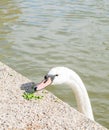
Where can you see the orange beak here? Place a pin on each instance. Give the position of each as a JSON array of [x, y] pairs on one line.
[[43, 84]]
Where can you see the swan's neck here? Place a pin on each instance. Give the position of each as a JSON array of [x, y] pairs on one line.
[[82, 97]]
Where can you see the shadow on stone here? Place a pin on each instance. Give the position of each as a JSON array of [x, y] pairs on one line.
[[28, 87]]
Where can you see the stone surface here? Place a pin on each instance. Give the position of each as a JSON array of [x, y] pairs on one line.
[[48, 113]]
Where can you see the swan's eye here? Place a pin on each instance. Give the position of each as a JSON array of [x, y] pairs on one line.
[[56, 75]]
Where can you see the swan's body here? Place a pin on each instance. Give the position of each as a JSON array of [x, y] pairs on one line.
[[63, 75]]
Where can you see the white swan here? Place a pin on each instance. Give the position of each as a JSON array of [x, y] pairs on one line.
[[63, 75]]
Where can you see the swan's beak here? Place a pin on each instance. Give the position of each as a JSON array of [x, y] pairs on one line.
[[43, 84]]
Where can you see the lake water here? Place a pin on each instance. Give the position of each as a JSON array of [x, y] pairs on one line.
[[38, 35]]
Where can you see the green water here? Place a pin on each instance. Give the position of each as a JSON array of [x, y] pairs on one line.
[[38, 35]]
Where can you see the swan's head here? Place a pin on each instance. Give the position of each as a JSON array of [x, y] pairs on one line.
[[57, 75]]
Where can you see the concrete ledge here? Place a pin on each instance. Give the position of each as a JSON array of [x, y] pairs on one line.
[[48, 113]]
